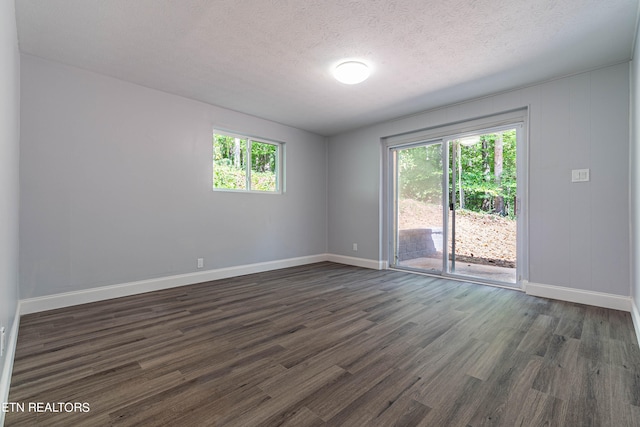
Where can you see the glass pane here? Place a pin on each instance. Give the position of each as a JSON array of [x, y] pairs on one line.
[[419, 207], [483, 225], [229, 162], [264, 161]]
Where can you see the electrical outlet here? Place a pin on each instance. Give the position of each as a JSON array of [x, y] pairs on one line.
[[355, 247], [200, 262], [3, 341]]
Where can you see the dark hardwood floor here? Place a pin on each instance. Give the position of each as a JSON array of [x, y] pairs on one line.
[[329, 344]]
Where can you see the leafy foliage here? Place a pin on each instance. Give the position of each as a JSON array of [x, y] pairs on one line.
[[230, 161], [420, 174]]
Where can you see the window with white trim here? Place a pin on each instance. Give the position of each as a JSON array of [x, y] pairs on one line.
[[243, 163]]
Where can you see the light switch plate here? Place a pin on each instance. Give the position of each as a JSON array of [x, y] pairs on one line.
[[580, 175]]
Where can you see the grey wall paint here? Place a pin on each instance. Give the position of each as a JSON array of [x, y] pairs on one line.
[[9, 160], [116, 186], [579, 233], [113, 188], [634, 178]]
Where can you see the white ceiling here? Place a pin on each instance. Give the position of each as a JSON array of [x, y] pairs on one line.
[[272, 58]]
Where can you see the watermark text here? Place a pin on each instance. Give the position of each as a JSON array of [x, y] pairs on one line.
[[42, 407]]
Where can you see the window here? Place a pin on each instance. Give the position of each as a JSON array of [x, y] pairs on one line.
[[243, 163]]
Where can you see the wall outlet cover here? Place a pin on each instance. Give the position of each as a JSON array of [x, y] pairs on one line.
[[580, 175]]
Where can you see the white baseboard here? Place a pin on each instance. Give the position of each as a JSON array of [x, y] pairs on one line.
[[7, 368], [67, 299], [598, 299], [358, 262], [51, 302], [635, 316]]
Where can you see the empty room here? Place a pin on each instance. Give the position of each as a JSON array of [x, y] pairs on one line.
[[308, 213]]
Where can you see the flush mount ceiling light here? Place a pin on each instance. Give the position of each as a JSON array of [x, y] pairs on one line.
[[351, 72]]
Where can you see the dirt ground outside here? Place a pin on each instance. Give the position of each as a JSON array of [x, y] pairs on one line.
[[480, 238]]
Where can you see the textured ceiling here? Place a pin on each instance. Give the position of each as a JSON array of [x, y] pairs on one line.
[[272, 58]]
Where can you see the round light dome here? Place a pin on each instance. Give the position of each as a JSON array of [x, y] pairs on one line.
[[351, 72]]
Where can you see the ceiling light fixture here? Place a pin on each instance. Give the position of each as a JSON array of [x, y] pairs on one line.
[[351, 72]]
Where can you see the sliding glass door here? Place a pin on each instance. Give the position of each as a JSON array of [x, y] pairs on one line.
[[456, 205], [482, 238], [419, 221]]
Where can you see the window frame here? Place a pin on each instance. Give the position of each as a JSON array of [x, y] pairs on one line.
[[250, 139]]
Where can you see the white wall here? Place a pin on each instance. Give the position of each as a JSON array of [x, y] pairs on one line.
[[9, 159], [116, 186], [579, 233], [635, 183]]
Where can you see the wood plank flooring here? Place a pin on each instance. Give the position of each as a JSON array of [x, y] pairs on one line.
[[329, 344]]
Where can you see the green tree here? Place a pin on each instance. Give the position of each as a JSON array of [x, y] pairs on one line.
[[485, 173], [230, 163], [489, 173]]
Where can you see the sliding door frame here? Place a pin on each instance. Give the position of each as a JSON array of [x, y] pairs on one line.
[[518, 119], [447, 140], [394, 228]]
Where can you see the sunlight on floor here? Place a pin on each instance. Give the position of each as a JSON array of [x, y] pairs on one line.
[[487, 272]]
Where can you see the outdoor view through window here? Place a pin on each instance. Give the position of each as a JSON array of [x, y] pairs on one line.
[[242, 163], [465, 225]]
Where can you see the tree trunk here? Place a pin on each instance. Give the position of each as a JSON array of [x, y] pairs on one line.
[[236, 153], [486, 170], [459, 155], [498, 202]]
